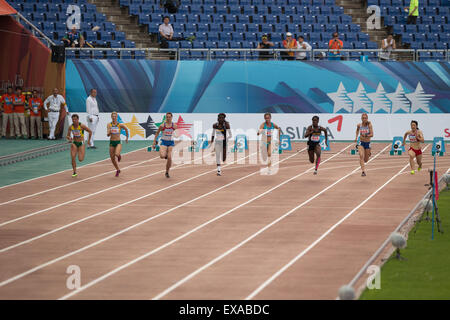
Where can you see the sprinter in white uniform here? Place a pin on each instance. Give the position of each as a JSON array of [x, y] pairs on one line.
[[221, 133]]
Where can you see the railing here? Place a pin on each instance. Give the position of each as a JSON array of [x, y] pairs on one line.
[[258, 54], [34, 30]]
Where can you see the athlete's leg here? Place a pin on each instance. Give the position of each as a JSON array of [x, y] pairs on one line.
[[81, 152], [318, 152], [412, 155], [367, 155], [73, 154], [311, 155], [169, 159], [269, 153], [163, 152], [419, 161], [112, 155], [361, 158], [118, 150]]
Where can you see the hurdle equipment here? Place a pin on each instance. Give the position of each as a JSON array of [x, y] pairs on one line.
[[34, 153], [355, 150], [323, 146], [158, 142], [156, 148], [397, 146], [240, 143], [438, 146], [200, 143]]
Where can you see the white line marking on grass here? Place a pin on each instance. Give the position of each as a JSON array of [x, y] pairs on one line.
[[119, 232], [204, 267], [51, 174], [192, 230], [311, 246]]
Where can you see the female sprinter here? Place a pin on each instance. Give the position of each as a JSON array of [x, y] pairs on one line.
[[77, 130], [165, 152], [365, 130], [221, 133], [115, 146], [267, 127], [313, 133], [415, 138]]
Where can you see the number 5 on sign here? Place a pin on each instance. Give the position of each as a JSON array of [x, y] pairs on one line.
[[285, 142]]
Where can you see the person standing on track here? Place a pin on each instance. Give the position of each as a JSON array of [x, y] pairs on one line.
[[92, 115], [168, 129], [415, 150], [267, 128], [221, 133], [313, 133], [35, 116], [365, 130], [115, 146], [6, 103], [53, 104], [77, 130], [19, 114]]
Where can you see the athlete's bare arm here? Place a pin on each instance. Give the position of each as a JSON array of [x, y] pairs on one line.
[[357, 131], [370, 135], [124, 127]]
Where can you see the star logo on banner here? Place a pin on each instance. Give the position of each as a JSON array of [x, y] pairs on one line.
[[149, 127], [183, 127], [158, 124], [135, 128]]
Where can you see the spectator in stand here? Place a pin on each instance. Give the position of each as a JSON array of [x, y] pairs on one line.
[[170, 5], [413, 12], [387, 45], [53, 104], [73, 38], [334, 45], [166, 33], [19, 114], [8, 112], [302, 44], [289, 43], [36, 106], [265, 44]]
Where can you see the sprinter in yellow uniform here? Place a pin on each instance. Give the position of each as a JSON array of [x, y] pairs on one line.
[[115, 146], [75, 134]]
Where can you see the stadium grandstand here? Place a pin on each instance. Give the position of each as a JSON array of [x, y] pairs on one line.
[[232, 29]]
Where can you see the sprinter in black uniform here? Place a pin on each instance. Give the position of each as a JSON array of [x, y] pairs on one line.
[[221, 133], [313, 133]]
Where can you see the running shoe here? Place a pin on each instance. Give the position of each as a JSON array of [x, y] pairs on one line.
[[315, 172], [119, 157], [420, 168], [74, 174], [413, 172], [117, 173], [219, 172], [363, 174], [167, 175]]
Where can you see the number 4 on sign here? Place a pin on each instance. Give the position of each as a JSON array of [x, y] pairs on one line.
[[323, 146]]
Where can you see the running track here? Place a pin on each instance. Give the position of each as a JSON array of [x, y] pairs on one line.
[[240, 236]]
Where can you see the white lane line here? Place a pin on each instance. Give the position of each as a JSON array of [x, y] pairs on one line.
[[96, 214], [95, 281], [84, 197], [74, 182], [204, 267], [117, 233], [51, 174], [311, 246]]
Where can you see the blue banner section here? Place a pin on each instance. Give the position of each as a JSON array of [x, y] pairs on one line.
[[254, 86]]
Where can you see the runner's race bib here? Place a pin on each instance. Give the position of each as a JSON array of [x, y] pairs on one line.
[[315, 138]]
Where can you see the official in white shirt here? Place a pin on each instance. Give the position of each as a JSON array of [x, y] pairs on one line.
[[92, 115], [302, 44], [53, 105]]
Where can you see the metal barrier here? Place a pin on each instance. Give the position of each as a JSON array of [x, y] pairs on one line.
[[33, 153], [34, 30], [258, 54]]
